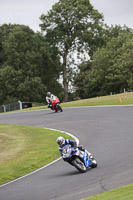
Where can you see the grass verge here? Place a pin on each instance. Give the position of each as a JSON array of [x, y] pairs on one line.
[[126, 99], [118, 99], [24, 149], [121, 193]]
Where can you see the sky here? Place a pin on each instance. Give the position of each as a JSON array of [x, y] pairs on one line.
[[27, 12]]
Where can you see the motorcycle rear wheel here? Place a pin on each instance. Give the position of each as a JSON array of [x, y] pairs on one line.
[[58, 107], [79, 165]]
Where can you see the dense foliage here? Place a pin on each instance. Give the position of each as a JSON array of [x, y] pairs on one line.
[[72, 26], [32, 63], [28, 65], [111, 69]]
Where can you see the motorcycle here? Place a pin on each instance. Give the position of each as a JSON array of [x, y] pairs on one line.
[[78, 158], [55, 105]]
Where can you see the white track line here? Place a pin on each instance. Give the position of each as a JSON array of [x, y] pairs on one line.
[[75, 138]]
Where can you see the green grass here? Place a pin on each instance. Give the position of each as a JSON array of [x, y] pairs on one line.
[[126, 99], [122, 193], [24, 149]]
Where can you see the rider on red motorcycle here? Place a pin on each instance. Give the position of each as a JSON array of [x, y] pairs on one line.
[[53, 102], [49, 99]]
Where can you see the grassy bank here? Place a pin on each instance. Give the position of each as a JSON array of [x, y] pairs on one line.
[[118, 99], [122, 193], [24, 149]]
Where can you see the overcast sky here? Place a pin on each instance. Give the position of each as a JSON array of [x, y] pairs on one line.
[[27, 12]]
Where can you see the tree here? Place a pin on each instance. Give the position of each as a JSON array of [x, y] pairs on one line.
[[27, 61], [49, 66], [114, 64], [112, 67], [81, 79], [70, 26]]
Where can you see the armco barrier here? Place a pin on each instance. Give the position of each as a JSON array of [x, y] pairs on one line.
[[15, 106]]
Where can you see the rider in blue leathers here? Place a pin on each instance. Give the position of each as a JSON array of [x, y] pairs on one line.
[[62, 142]]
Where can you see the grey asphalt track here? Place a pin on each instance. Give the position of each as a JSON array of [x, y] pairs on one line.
[[107, 132]]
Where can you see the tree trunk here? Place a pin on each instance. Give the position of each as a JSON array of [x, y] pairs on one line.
[[65, 80]]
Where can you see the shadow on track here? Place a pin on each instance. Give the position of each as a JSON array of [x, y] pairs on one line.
[[73, 173], [52, 112]]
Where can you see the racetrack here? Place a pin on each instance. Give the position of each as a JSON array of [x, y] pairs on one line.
[[107, 132]]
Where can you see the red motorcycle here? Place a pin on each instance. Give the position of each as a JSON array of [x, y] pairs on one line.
[[56, 105]]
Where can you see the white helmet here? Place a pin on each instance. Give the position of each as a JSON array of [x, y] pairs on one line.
[[60, 140], [49, 94]]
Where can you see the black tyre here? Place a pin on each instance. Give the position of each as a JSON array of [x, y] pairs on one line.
[[59, 107], [79, 165], [94, 163]]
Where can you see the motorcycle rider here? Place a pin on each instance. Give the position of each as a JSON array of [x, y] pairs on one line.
[[49, 99], [62, 142]]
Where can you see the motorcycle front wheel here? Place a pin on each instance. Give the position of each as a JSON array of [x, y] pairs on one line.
[[94, 163], [79, 165]]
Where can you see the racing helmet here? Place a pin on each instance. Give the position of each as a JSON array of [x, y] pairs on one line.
[[49, 94], [60, 140]]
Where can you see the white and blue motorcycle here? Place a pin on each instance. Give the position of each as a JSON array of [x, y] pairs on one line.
[[78, 158]]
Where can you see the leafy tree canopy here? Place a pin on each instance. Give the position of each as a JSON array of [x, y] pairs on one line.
[[72, 25], [111, 68], [27, 65]]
